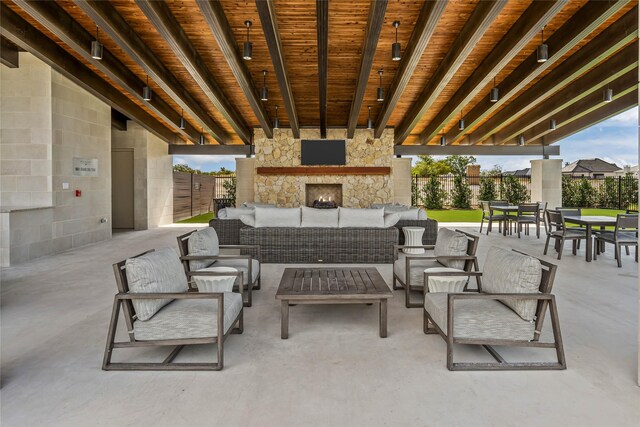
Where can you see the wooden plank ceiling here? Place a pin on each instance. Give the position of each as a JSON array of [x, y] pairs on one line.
[[445, 81]]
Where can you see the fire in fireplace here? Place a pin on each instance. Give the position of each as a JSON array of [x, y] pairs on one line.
[[323, 196]]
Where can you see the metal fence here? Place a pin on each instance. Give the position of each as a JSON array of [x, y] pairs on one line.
[[194, 194]]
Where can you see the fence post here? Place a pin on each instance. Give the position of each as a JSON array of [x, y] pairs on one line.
[[619, 192]]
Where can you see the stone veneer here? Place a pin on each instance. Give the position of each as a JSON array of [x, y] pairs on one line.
[[357, 190]]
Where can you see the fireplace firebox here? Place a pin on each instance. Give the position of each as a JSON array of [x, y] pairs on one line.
[[323, 196]]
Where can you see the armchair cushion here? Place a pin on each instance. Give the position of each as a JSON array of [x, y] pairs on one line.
[[203, 242], [510, 272], [478, 319], [189, 318], [158, 271], [417, 268], [451, 243], [445, 283], [242, 265]]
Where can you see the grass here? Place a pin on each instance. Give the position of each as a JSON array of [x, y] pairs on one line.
[[202, 219]]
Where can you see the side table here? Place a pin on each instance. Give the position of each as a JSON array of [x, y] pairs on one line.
[[413, 237], [216, 283]]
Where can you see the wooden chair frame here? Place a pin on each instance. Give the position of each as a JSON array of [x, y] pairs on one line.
[[528, 214], [183, 245], [545, 299], [471, 262], [560, 239], [123, 301], [489, 216]]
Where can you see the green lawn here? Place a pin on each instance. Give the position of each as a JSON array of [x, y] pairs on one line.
[[475, 215], [203, 219]]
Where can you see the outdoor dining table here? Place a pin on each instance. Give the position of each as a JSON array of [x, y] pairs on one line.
[[589, 222], [507, 210]]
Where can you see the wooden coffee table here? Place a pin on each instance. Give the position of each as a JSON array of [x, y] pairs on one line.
[[332, 286]]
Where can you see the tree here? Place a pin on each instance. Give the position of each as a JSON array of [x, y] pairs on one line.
[[608, 194], [495, 170], [427, 166], [584, 194], [230, 186], [458, 164], [629, 191], [433, 194], [513, 191], [184, 168], [487, 188], [461, 194]]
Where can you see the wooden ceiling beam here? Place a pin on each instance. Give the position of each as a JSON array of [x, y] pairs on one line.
[[211, 150], [591, 16], [595, 52], [606, 111], [221, 30], [377, 9], [26, 37], [168, 27], [9, 54], [617, 71], [424, 28], [104, 14], [537, 15], [473, 30], [476, 150], [322, 19], [581, 108], [269, 22]]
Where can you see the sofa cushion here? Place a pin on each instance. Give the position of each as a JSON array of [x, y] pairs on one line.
[[322, 218], [258, 205], [360, 218], [158, 271], [277, 217], [243, 266], [235, 213], [417, 266], [510, 272], [410, 213], [203, 242], [189, 318], [451, 243], [390, 208], [391, 219], [249, 220], [478, 319]]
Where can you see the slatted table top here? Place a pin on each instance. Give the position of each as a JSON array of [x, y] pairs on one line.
[[332, 283]]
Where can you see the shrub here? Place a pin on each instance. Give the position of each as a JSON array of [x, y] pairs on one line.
[[513, 191], [628, 191], [608, 194], [230, 186], [568, 191], [461, 194], [487, 189], [584, 194], [415, 193], [433, 194]]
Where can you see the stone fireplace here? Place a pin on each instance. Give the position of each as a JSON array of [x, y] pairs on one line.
[[326, 194]]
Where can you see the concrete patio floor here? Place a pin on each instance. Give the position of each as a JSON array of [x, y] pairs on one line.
[[333, 369]]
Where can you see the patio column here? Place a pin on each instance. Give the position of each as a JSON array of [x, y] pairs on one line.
[[245, 169], [401, 179], [546, 181]]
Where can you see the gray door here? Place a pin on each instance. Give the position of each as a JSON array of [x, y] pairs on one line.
[[122, 188]]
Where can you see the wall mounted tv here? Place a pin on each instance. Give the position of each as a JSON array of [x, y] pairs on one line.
[[323, 152]]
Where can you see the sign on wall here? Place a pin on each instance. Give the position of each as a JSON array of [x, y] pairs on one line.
[[85, 167]]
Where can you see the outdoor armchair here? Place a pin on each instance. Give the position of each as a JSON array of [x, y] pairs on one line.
[[199, 250], [160, 310], [489, 216], [625, 234], [528, 214], [560, 233], [453, 249], [508, 310]]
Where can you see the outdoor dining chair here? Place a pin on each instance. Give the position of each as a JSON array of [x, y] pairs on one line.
[[489, 216], [560, 233], [625, 234], [528, 214]]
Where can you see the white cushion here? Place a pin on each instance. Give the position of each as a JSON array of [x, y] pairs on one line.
[[422, 214], [222, 214], [277, 217], [236, 213], [255, 205], [452, 284], [411, 213], [417, 266], [242, 265], [215, 283], [158, 271], [451, 243], [391, 219], [510, 272], [395, 208], [319, 217], [249, 220], [203, 242], [360, 218]]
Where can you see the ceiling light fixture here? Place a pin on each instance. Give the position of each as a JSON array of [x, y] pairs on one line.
[[96, 47], [395, 47], [521, 140], [461, 122], [543, 49], [443, 139], [369, 121], [264, 92], [202, 140], [380, 97], [495, 93], [608, 94], [552, 124], [183, 125], [276, 122], [147, 93], [248, 46]]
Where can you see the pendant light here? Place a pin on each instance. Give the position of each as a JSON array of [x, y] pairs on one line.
[[552, 124], [443, 139], [183, 125], [521, 140], [369, 121], [395, 47], [495, 94], [608, 94], [147, 93], [248, 46], [264, 92], [202, 140], [96, 47], [461, 122], [380, 97], [543, 49], [276, 122]]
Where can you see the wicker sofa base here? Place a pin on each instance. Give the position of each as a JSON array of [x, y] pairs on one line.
[[322, 245]]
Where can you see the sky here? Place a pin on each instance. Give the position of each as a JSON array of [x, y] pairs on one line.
[[614, 140]]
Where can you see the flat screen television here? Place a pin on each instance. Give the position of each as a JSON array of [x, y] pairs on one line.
[[323, 152]]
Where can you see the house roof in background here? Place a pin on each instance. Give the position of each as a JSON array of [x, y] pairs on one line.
[[590, 165]]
